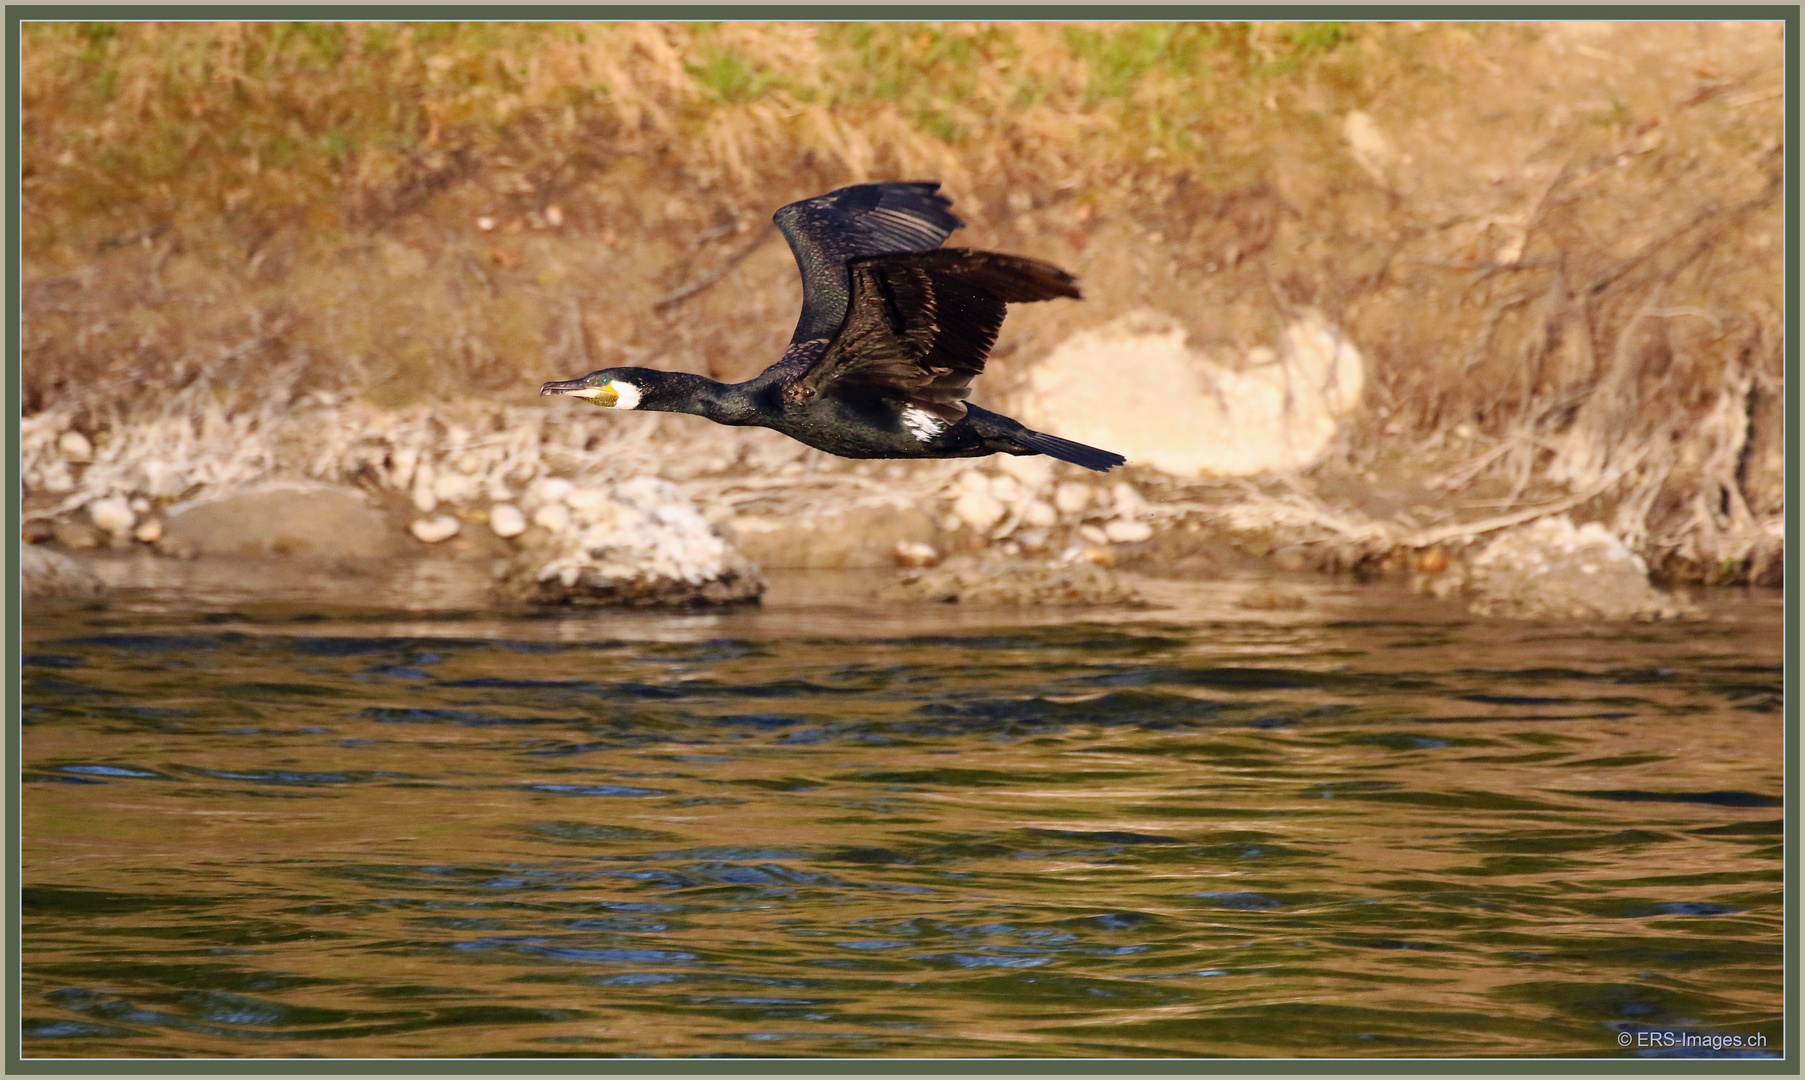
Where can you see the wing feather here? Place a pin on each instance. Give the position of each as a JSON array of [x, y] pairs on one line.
[[920, 325], [829, 231]]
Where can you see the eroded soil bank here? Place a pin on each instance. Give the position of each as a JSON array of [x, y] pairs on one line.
[[1358, 297]]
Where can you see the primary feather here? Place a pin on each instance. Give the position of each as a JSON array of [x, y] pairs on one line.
[[828, 232]]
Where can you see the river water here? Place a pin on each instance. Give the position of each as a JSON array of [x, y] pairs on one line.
[[317, 813]]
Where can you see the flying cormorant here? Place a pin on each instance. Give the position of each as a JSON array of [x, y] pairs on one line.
[[893, 328]]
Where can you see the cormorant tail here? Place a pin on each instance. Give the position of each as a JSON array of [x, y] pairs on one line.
[[1066, 450]]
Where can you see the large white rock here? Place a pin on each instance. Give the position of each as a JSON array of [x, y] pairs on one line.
[[1136, 387], [643, 543]]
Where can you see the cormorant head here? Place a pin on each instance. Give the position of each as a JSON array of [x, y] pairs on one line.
[[613, 388]]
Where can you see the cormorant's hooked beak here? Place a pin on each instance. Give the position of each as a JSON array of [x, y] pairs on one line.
[[605, 395]]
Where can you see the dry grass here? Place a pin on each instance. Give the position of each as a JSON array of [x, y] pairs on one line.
[[1561, 246]]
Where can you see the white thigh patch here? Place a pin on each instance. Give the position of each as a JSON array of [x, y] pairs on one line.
[[921, 423]]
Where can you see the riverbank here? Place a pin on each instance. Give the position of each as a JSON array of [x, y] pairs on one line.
[[1386, 293]]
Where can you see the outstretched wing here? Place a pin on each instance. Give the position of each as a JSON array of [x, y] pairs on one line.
[[921, 325], [829, 231]]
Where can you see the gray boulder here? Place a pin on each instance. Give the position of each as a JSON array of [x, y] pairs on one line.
[[1552, 569], [862, 538], [48, 575], [298, 518], [992, 578]]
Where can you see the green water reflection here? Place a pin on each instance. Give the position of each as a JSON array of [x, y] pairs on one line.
[[302, 826]]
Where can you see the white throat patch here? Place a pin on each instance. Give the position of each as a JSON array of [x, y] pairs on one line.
[[629, 394], [921, 423]]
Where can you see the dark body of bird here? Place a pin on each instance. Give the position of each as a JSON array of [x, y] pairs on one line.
[[892, 330]]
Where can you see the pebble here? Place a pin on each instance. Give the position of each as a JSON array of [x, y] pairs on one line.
[[915, 553], [140, 505], [1128, 501], [56, 478], [1039, 515], [551, 489], [1072, 497], [978, 509], [973, 480], [1031, 471], [113, 515], [553, 517], [160, 479], [432, 530], [588, 504], [1127, 532], [149, 532], [1093, 534], [1102, 556], [74, 446], [426, 500], [401, 466], [506, 520], [455, 487], [1005, 489]]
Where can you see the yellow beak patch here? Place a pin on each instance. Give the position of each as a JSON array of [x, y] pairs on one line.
[[604, 396]]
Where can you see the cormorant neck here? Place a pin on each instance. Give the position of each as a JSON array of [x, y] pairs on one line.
[[683, 392]]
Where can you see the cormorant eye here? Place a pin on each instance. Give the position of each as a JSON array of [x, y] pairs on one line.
[[606, 380]]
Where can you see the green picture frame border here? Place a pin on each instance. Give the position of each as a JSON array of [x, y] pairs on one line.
[[757, 11]]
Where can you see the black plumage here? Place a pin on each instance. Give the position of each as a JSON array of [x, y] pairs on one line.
[[892, 331], [826, 233]]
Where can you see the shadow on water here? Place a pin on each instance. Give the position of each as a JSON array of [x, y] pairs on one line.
[[366, 816]]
